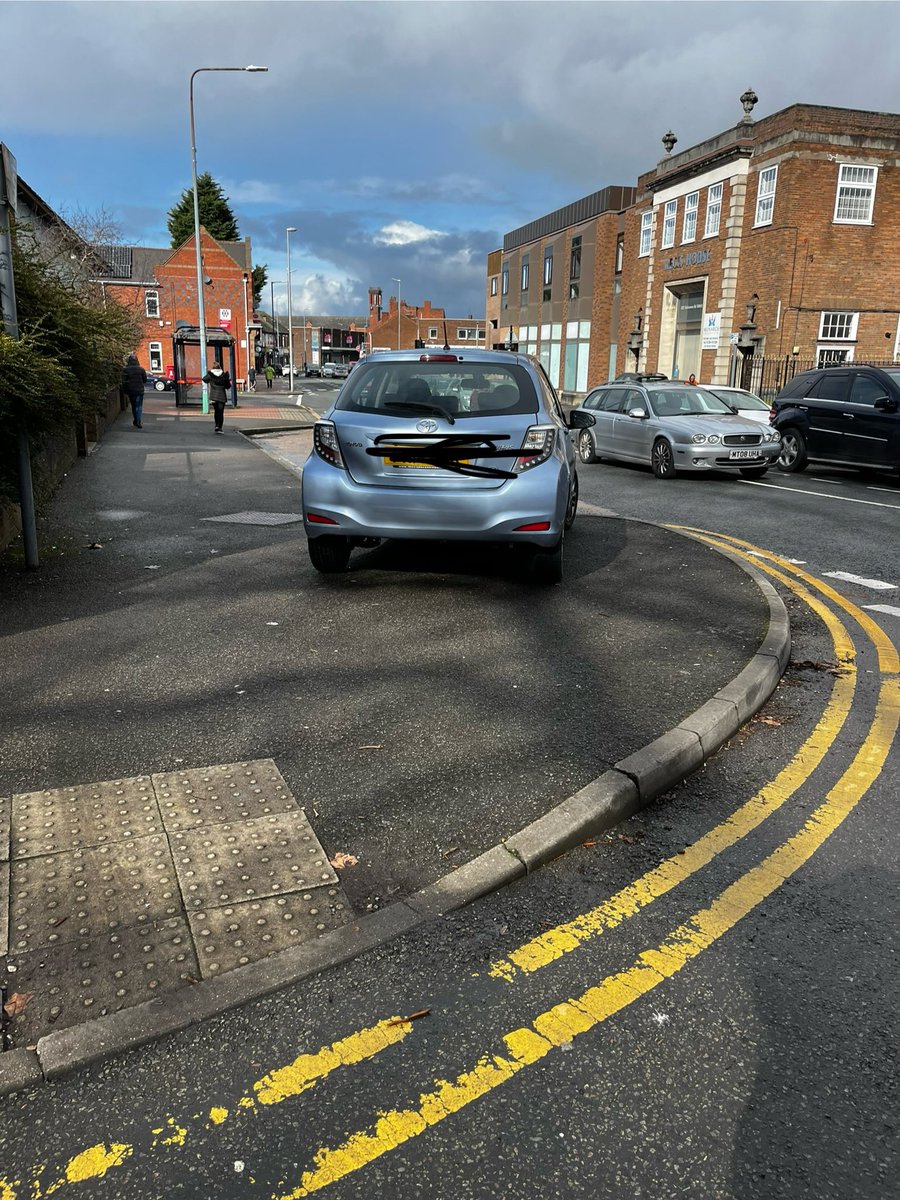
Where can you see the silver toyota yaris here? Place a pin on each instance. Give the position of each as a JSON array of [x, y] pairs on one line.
[[451, 444]]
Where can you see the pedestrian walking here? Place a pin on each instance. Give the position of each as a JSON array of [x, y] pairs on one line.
[[219, 386], [251, 374], [269, 373], [134, 379]]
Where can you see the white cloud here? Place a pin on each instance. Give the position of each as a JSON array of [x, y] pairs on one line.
[[405, 233], [253, 191]]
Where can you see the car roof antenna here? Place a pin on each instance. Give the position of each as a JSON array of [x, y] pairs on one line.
[[446, 339]]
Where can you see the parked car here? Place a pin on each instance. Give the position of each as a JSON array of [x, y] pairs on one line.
[[848, 415], [673, 427], [638, 376], [744, 403], [160, 383], [312, 369], [340, 371], [286, 370], [397, 456], [328, 371]]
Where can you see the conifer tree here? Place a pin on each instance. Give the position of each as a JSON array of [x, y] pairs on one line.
[[216, 216]]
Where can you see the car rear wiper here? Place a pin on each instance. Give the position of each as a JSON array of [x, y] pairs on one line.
[[448, 452], [420, 406]]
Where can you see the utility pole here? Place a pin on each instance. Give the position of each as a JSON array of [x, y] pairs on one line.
[[8, 191]]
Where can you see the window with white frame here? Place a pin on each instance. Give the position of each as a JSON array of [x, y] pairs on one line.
[[481, 335], [668, 229], [466, 335], [689, 224], [646, 233], [151, 303], [432, 332], [765, 196], [838, 327], [155, 353], [855, 194], [713, 210], [493, 285]]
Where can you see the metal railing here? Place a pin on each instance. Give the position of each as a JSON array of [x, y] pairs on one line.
[[765, 377]]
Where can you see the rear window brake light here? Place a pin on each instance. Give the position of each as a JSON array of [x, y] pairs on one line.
[[438, 358]]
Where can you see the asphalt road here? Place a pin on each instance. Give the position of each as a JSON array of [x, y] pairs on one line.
[[756, 1059]]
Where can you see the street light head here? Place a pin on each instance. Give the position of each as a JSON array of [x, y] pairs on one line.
[[252, 68], [292, 229]]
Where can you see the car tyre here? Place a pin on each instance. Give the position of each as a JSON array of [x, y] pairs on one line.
[[793, 455], [572, 507], [545, 566], [586, 451], [329, 554], [160, 385], [753, 472], [662, 459]]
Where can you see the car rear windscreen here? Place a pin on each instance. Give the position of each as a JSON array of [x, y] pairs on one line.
[[458, 389]]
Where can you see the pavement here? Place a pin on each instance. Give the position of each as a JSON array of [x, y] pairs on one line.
[[221, 774]]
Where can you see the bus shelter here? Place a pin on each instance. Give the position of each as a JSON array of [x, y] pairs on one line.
[[186, 355]]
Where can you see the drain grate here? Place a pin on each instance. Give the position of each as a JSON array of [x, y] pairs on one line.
[[257, 518]]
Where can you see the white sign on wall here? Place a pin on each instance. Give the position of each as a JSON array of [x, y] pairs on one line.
[[712, 326]]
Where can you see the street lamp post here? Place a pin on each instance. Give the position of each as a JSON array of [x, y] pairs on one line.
[[397, 281], [290, 229], [201, 307]]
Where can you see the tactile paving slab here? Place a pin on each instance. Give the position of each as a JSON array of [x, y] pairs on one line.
[[89, 814], [5, 813], [60, 897], [237, 934], [246, 860], [212, 795], [77, 981]]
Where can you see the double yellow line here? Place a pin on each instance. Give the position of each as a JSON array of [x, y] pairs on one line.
[[522, 1047]]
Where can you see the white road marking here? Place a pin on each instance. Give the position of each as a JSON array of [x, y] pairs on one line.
[[885, 608], [873, 487], [805, 492], [877, 585]]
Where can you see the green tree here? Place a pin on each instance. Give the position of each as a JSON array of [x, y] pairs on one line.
[[216, 216], [260, 279], [69, 353]]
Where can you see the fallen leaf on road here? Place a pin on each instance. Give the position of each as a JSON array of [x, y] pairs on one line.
[[451, 850], [423, 1012], [17, 1003], [590, 843], [342, 859], [768, 721]]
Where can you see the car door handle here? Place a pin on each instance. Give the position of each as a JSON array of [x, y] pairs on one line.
[[849, 416]]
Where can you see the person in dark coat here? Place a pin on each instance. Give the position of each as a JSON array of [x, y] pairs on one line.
[[219, 388], [134, 379]]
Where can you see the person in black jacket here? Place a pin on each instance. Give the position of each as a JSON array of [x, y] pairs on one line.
[[134, 378], [219, 386]]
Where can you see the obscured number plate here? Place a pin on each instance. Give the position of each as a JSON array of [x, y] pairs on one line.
[[397, 462], [744, 454]]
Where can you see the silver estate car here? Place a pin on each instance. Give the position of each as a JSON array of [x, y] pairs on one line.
[[443, 445], [673, 427]]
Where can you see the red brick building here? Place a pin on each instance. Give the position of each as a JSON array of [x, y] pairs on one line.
[[161, 287], [402, 325], [774, 239]]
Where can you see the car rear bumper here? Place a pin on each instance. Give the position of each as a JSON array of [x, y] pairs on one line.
[[439, 514]]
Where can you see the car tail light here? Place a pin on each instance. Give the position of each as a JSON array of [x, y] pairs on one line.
[[438, 358], [326, 444], [536, 448]]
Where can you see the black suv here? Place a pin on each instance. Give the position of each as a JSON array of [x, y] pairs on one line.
[[849, 415]]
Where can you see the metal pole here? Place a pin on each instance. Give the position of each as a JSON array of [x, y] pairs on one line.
[[247, 329], [290, 229], [8, 187], [274, 326]]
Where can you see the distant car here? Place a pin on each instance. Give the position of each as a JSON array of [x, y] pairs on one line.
[[286, 370], [341, 371], [312, 369], [328, 371], [744, 403], [397, 456], [159, 383], [673, 427]]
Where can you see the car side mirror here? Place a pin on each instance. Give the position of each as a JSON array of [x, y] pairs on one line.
[[579, 419], [640, 414], [885, 404]]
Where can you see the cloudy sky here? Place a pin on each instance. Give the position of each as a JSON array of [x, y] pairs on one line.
[[402, 139]]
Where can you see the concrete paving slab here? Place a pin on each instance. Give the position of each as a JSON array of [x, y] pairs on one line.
[[237, 934], [78, 981], [89, 814], [57, 898], [246, 860], [5, 823], [4, 907], [202, 796]]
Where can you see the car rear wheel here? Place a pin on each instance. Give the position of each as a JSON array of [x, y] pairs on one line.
[[573, 505], [329, 554], [793, 450], [586, 451], [544, 566], [662, 459], [160, 385], [753, 472]]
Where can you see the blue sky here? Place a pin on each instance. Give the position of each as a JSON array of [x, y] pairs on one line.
[[402, 139]]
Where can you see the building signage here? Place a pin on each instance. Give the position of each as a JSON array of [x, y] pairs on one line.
[[225, 318], [696, 258], [712, 326]]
